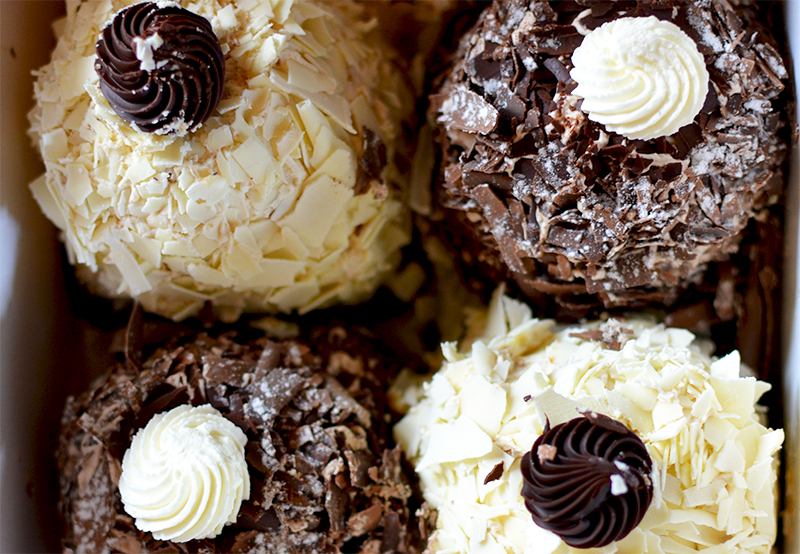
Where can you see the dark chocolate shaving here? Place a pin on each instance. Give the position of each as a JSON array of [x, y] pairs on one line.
[[183, 84], [567, 480], [372, 162], [494, 474], [134, 337], [610, 336], [324, 476]]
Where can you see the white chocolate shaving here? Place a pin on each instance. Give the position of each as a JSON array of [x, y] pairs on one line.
[[144, 51]]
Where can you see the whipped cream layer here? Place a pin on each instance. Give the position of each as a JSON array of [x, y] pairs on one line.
[[640, 77], [184, 476], [286, 198], [714, 470]]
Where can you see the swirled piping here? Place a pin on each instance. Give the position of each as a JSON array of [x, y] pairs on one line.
[[587, 480], [185, 476], [640, 77], [160, 67]]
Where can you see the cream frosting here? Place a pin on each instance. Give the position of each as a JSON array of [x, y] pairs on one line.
[[265, 207], [714, 468], [640, 77], [184, 476]]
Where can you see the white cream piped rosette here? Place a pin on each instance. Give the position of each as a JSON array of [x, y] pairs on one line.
[[640, 77], [185, 476]]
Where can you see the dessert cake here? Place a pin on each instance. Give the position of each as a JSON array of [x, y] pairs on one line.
[[607, 154], [615, 436], [217, 443], [240, 154]]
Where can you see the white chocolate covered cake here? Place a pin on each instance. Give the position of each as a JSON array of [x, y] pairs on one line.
[[238, 153], [711, 474]]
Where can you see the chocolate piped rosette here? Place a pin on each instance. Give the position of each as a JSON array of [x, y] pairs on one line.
[[241, 154], [220, 443], [612, 436], [587, 480], [606, 154], [160, 67]]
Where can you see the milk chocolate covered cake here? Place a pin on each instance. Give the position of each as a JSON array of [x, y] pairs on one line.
[[606, 154], [220, 444], [240, 154], [614, 436]]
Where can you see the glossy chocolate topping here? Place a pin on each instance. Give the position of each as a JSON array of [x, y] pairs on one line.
[[160, 67], [587, 480]]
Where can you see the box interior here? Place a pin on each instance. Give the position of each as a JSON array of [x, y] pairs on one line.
[[791, 317], [43, 355]]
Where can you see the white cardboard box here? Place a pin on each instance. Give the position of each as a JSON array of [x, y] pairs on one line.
[[40, 352], [34, 327], [791, 317]]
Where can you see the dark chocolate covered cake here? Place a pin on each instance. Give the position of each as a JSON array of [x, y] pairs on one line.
[[583, 215], [311, 419]]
